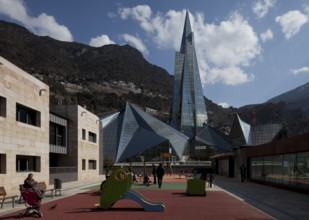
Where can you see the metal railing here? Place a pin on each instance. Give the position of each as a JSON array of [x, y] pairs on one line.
[[173, 163], [55, 170]]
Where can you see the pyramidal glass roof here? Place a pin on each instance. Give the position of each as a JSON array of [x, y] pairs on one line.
[[262, 134], [244, 134], [212, 137], [245, 128], [132, 131]]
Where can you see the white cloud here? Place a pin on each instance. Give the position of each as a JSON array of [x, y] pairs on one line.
[[304, 69], [168, 29], [141, 13], [232, 43], [224, 49], [100, 41], [306, 8], [230, 75], [43, 25], [228, 46], [135, 42], [163, 29], [291, 22], [261, 7], [46, 25], [224, 105], [14, 9], [111, 15], [267, 35]]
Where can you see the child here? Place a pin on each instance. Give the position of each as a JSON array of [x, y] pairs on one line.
[[146, 180]]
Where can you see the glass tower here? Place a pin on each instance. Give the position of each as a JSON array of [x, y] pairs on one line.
[[188, 113]]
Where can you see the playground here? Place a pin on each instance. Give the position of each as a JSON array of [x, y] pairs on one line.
[[172, 203]]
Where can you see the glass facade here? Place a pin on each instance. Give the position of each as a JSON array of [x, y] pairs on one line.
[[188, 113], [57, 134], [132, 134], [285, 169]]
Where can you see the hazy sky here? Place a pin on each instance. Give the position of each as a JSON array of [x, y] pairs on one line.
[[248, 51]]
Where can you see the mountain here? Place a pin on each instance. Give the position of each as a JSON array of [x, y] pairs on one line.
[[296, 98], [104, 79]]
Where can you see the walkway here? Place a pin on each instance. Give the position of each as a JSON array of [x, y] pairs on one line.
[[229, 199], [279, 203]]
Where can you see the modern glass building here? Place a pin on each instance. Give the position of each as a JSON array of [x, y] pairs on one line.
[[188, 113], [244, 134], [133, 135]]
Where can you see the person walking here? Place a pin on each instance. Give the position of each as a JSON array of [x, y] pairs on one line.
[[134, 180], [243, 170], [154, 173], [160, 174]]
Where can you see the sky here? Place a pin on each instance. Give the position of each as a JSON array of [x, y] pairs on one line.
[[248, 51]]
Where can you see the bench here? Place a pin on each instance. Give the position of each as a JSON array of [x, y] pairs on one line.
[[4, 197], [43, 186]]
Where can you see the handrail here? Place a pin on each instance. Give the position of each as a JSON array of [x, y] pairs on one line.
[[53, 170]]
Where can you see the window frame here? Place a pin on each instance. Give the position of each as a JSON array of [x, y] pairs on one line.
[[28, 115], [92, 137], [92, 164], [25, 163]]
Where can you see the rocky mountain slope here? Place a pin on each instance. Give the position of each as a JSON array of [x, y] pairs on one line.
[[296, 98], [104, 79]]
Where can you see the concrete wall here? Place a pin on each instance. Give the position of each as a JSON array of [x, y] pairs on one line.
[[17, 138], [80, 149], [240, 158], [223, 167], [88, 150]]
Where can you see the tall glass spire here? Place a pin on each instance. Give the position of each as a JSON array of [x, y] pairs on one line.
[[188, 112]]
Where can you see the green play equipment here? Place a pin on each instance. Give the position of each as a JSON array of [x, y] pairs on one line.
[[196, 187], [118, 186]]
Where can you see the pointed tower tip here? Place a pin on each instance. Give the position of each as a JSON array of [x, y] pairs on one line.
[[187, 13], [186, 31], [187, 19]]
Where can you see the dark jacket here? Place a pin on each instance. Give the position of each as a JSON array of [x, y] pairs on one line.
[[160, 171], [29, 183]]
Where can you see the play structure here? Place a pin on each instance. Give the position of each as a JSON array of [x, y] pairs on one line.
[[196, 187], [118, 186]]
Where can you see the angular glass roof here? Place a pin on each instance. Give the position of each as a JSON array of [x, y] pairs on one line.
[[132, 131], [212, 137], [244, 134]]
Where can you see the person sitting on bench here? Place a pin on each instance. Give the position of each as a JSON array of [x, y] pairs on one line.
[[31, 183]]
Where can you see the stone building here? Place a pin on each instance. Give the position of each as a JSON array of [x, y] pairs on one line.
[[83, 158], [24, 126], [61, 142]]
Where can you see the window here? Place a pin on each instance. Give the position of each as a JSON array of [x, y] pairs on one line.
[[83, 164], [57, 134], [2, 107], [200, 147], [27, 115], [27, 163], [92, 164], [92, 137], [3, 163], [288, 169], [84, 134]]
